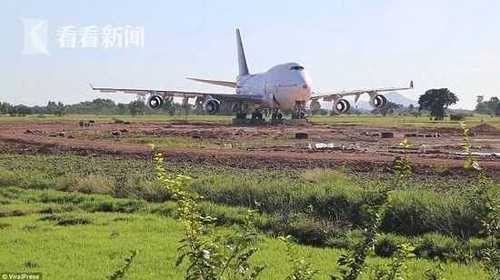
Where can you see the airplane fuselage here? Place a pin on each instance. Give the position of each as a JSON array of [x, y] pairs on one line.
[[281, 87]]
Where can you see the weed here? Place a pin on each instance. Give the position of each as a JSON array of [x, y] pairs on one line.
[[402, 167], [31, 264], [435, 273], [396, 269], [120, 272], [209, 256], [67, 219], [302, 268], [470, 161], [93, 184], [12, 213], [30, 227], [4, 225], [352, 263]]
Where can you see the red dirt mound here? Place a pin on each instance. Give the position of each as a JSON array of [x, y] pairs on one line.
[[484, 128]]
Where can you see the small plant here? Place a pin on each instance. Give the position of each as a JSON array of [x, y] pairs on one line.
[[210, 256], [120, 273], [490, 226], [395, 270], [353, 262], [470, 161], [402, 166], [435, 273], [488, 208], [302, 269]]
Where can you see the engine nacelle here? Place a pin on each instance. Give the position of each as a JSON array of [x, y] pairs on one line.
[[155, 102], [212, 106], [378, 101], [341, 106]]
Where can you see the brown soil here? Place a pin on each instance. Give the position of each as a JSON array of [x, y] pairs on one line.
[[485, 128], [360, 148]]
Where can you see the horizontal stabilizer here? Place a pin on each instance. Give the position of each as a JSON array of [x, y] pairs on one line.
[[215, 82]]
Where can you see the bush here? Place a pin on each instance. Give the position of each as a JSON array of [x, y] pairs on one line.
[[437, 246], [388, 244], [418, 212], [458, 117], [67, 219], [346, 239], [93, 184], [7, 177], [93, 203]]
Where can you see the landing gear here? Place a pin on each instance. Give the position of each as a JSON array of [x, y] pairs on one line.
[[257, 115], [300, 110], [276, 115]]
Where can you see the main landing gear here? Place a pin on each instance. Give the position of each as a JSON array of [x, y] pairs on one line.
[[257, 115], [276, 115]]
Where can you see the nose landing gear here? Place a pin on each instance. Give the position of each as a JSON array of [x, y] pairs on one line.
[[300, 110]]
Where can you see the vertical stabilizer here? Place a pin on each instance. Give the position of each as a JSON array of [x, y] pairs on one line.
[[242, 61]]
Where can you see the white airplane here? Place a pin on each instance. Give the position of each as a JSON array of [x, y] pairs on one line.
[[283, 88]]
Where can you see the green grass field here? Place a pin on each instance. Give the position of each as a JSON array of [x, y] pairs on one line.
[[63, 241]]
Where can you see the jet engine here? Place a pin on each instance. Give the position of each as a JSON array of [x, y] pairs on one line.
[[341, 106], [155, 102], [212, 106], [378, 101]]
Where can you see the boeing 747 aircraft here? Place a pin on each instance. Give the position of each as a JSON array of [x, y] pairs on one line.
[[285, 88]]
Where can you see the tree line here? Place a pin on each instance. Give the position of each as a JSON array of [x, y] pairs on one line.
[[435, 102], [96, 106], [488, 107]]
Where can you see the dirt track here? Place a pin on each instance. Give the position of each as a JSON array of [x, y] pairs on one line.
[[361, 148]]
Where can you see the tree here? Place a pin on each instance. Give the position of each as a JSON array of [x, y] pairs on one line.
[[480, 98], [5, 107], [436, 101], [137, 107], [488, 107], [54, 108], [122, 109], [389, 108], [20, 110]]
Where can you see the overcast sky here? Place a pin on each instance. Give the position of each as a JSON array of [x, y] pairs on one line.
[[343, 44]]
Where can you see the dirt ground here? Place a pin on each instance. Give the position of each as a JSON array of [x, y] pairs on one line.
[[362, 148]]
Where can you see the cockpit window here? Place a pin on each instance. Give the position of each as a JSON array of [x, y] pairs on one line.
[[298, 68]]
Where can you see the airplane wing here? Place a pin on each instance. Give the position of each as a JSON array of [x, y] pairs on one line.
[[215, 82], [188, 94], [328, 96]]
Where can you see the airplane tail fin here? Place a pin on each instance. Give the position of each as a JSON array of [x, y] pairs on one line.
[[242, 61]]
